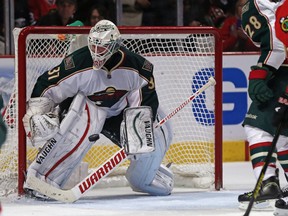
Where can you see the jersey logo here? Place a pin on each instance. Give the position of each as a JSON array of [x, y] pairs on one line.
[[284, 24], [281, 26], [108, 97], [147, 66], [69, 63]]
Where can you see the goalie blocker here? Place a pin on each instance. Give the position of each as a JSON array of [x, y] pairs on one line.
[[137, 130], [56, 160]]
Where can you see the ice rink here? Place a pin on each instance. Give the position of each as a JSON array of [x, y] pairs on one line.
[[238, 178]]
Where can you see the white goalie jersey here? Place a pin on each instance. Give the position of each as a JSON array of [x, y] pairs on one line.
[[126, 81]]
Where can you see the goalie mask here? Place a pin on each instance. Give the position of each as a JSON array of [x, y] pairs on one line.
[[103, 41]]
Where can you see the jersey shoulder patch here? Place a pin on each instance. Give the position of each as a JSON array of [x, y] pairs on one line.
[[69, 63], [78, 60], [148, 66]]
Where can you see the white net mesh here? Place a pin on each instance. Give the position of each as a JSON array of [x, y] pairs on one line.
[[182, 64]]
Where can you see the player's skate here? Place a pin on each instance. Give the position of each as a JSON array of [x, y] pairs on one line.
[[281, 205], [269, 192]]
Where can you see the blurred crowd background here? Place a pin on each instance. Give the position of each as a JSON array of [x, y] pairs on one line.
[[222, 14]]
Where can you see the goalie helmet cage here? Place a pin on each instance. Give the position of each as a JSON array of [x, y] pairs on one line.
[[183, 57]]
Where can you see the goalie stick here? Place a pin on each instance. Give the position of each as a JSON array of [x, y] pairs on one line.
[[75, 193]]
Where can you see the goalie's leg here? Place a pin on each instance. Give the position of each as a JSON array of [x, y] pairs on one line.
[[60, 155], [145, 173]]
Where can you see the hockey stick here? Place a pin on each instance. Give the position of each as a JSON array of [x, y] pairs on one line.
[[75, 193], [263, 171], [211, 82]]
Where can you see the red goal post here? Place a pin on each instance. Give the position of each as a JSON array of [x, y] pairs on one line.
[[197, 53]]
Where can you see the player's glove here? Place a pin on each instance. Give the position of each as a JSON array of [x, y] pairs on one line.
[[258, 89], [281, 108]]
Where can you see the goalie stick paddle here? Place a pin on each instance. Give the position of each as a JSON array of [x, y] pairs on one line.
[[263, 171], [75, 193]]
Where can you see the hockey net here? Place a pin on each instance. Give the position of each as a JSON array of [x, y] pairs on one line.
[[183, 57]]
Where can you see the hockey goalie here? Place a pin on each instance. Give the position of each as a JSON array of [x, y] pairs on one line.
[[102, 88]]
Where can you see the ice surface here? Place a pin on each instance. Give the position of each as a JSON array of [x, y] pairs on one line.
[[238, 178]]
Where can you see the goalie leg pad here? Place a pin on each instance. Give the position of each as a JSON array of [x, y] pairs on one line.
[[60, 155], [163, 182], [145, 173]]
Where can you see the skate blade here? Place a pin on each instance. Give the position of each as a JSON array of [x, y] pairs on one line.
[[265, 205]]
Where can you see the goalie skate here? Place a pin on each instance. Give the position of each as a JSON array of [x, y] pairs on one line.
[[269, 192], [32, 194]]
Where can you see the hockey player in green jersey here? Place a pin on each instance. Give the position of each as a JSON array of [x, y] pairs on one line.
[[102, 80], [268, 81]]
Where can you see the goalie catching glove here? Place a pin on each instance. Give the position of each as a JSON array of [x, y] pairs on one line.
[[41, 121]]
